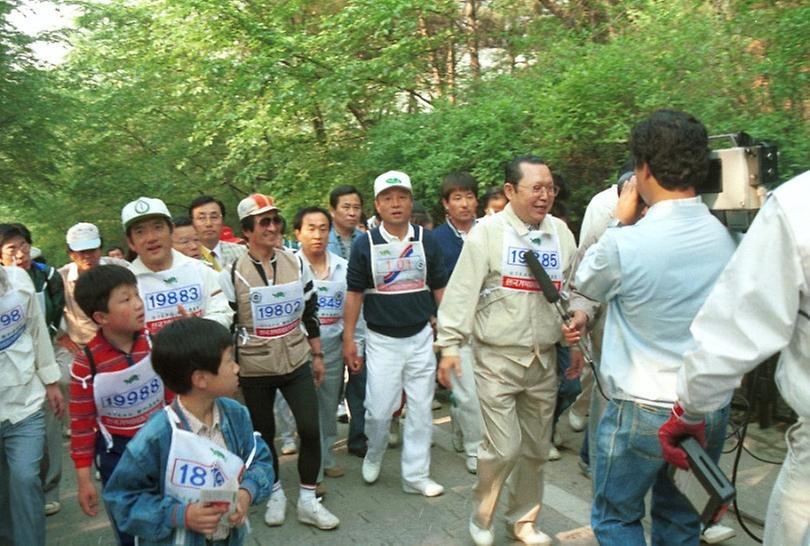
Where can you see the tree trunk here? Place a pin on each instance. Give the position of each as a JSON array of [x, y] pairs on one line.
[[450, 72], [434, 63], [471, 20]]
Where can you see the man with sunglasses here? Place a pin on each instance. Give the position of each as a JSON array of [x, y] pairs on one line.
[[493, 299], [273, 295]]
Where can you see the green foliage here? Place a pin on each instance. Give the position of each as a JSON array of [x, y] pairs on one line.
[[173, 98]]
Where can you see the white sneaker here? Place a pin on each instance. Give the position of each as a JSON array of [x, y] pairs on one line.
[[717, 533], [577, 422], [426, 487], [52, 507], [313, 513], [472, 465], [289, 448], [554, 454], [481, 537], [276, 509], [527, 534], [371, 471], [395, 435]]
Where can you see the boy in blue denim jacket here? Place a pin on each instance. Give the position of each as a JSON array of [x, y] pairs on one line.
[[201, 447]]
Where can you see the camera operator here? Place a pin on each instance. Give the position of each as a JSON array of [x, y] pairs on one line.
[[760, 305], [654, 272]]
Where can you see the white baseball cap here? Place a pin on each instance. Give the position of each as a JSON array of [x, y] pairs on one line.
[[143, 208], [392, 179], [83, 236], [255, 204]]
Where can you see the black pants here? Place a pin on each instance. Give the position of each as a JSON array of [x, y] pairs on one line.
[[298, 389]]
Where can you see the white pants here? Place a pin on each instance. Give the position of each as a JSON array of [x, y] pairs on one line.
[[467, 410], [397, 364], [788, 519]]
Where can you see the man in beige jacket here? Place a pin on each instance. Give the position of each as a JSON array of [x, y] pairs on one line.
[[515, 330]]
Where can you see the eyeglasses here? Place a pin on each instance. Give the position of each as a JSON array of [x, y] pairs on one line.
[[13, 250], [267, 220], [548, 189], [213, 217]]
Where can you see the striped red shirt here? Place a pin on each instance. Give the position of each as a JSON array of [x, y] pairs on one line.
[[106, 358]]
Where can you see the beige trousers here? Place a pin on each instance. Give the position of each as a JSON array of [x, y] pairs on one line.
[[517, 406]]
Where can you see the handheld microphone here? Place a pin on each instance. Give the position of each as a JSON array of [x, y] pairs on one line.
[[553, 297]]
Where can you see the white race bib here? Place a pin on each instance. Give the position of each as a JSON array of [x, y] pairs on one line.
[[515, 274], [196, 464], [127, 398], [331, 297], [162, 292], [12, 318], [277, 309], [398, 267]]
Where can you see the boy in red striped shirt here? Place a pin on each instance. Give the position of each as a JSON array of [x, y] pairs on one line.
[[113, 388]]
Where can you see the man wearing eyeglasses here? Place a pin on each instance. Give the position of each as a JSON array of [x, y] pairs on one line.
[[493, 299], [208, 215], [15, 242], [274, 295]]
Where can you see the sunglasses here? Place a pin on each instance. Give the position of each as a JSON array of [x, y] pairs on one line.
[[267, 220]]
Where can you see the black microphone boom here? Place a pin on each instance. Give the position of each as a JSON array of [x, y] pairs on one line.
[[553, 296], [542, 278]]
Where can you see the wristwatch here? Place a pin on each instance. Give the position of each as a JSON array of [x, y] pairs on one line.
[[317, 355]]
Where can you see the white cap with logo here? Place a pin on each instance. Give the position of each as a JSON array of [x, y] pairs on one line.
[[143, 208], [392, 179], [83, 236]]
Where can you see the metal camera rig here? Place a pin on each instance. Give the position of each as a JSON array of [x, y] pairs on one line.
[[739, 178]]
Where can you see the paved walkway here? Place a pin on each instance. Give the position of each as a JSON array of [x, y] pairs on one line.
[[383, 515]]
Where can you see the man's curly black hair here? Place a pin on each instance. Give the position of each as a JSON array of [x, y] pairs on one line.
[[675, 146]]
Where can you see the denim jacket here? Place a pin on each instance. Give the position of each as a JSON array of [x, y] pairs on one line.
[[134, 494]]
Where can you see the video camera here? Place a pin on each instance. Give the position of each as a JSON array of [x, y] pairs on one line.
[[739, 178]]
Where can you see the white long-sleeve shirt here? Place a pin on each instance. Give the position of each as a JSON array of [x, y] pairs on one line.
[[27, 363], [759, 306]]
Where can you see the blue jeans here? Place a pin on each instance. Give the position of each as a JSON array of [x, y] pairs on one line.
[[22, 503], [629, 463]]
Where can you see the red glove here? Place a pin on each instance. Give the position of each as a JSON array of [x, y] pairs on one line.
[[676, 429]]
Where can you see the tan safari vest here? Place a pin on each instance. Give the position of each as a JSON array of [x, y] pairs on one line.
[[261, 356]]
